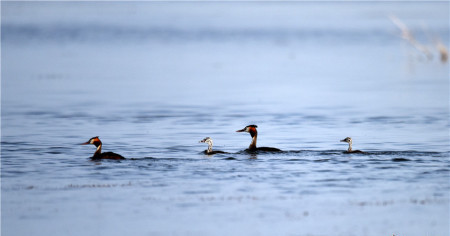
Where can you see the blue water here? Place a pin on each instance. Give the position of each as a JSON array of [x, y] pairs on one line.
[[154, 78]]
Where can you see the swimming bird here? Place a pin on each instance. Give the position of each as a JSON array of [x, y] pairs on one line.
[[209, 151], [254, 133], [350, 150], [98, 153]]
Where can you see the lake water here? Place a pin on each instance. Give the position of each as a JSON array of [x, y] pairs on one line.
[[153, 78]]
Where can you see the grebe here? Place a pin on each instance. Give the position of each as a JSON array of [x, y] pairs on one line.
[[349, 141], [209, 151], [254, 133], [98, 154]]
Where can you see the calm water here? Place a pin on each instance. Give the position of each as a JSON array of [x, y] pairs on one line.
[[152, 79]]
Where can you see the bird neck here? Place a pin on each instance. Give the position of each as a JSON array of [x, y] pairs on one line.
[[349, 147], [254, 135], [99, 149], [210, 145]]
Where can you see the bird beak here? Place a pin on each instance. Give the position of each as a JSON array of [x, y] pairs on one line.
[[343, 140], [241, 130], [86, 143]]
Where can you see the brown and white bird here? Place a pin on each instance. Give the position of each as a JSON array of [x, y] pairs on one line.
[[210, 151], [98, 155], [350, 150], [254, 133]]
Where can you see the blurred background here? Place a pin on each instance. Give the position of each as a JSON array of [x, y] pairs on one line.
[[341, 59]]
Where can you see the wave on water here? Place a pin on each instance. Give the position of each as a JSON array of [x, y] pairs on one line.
[[299, 155], [110, 33]]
